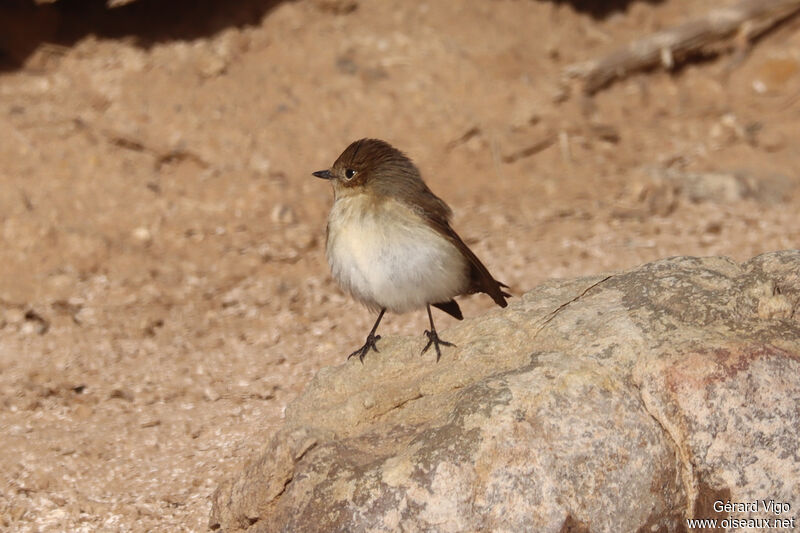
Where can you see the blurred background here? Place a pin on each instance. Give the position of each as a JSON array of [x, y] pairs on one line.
[[163, 285]]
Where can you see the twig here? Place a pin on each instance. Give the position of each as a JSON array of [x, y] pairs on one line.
[[533, 149], [162, 157], [743, 22]]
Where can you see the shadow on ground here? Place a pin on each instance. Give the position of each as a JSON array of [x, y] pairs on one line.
[[24, 25], [600, 9]]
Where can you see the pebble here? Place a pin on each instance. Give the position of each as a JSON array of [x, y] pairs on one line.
[[142, 235], [282, 214], [771, 140]]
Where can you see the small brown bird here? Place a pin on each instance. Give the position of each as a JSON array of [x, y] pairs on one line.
[[389, 241]]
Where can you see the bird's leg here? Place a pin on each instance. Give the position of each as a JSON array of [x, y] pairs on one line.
[[433, 338], [370, 342]]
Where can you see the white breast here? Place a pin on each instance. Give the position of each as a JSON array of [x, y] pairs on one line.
[[386, 256]]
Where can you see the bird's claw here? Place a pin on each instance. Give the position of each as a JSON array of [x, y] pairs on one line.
[[369, 343], [433, 339]]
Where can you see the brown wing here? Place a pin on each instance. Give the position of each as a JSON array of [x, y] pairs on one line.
[[400, 179], [480, 278], [437, 213]]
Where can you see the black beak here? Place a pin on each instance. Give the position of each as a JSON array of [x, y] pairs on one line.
[[324, 174]]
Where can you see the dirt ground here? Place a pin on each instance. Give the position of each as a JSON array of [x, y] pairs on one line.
[[163, 287]]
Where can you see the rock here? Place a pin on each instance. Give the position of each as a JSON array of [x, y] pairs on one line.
[[718, 187], [664, 187], [627, 402]]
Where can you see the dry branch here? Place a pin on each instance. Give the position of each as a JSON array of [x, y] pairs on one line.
[[738, 24]]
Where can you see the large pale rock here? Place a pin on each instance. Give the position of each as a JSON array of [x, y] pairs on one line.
[[614, 403]]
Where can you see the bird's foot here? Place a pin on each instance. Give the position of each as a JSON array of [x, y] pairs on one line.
[[433, 339], [369, 343]]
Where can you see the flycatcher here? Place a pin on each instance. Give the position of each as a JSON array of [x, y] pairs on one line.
[[389, 242]]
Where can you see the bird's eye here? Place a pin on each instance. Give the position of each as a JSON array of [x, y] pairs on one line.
[[349, 173]]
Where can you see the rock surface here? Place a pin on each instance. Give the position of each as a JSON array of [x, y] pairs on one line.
[[615, 403]]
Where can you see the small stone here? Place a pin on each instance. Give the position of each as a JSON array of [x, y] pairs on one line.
[[759, 87], [56, 516], [210, 394], [282, 214], [606, 132], [771, 140], [714, 227], [142, 234], [346, 65], [121, 394], [210, 65], [175, 500]]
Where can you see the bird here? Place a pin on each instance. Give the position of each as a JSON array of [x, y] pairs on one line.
[[389, 242]]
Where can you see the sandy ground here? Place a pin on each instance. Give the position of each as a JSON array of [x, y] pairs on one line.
[[163, 287]]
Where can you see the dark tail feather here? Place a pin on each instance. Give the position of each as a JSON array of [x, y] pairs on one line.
[[504, 293], [484, 282], [499, 295], [451, 308], [480, 278]]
